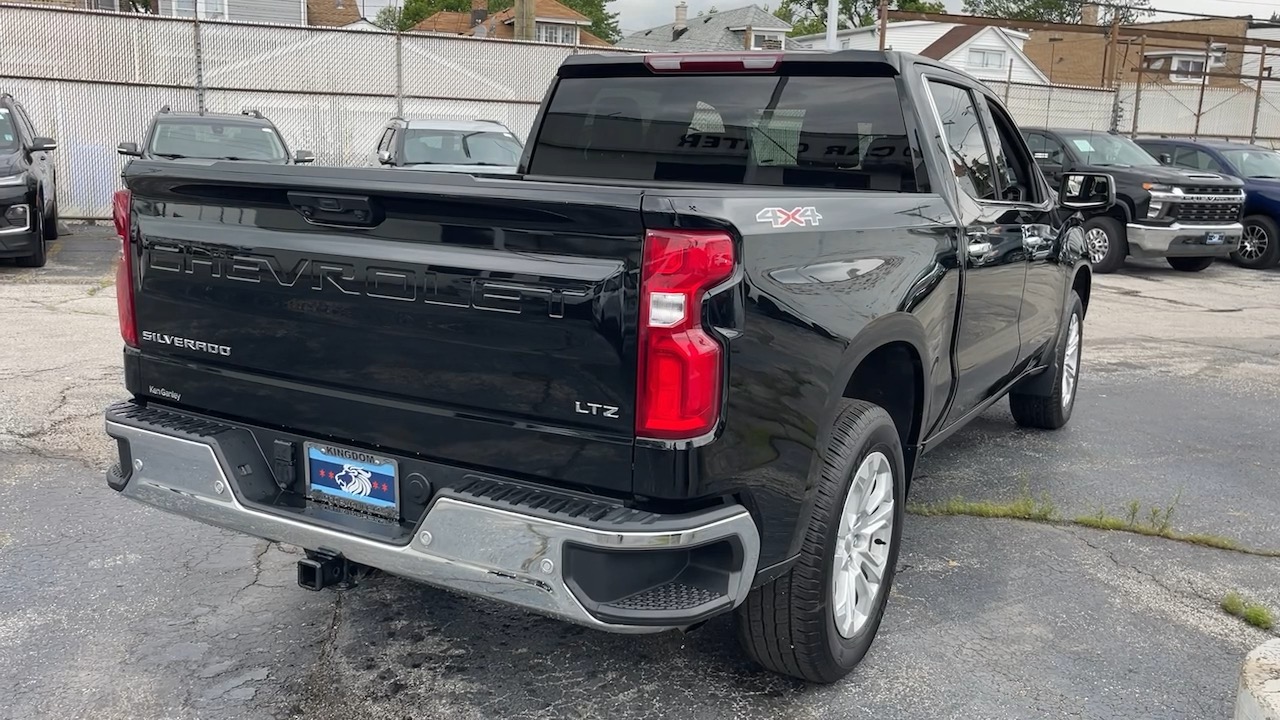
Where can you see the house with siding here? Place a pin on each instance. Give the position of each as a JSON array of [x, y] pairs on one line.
[[987, 53], [746, 28]]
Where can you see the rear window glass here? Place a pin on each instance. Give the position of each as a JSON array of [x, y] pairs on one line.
[[792, 131], [210, 139]]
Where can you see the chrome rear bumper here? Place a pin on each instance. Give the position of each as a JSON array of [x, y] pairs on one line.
[[467, 546]]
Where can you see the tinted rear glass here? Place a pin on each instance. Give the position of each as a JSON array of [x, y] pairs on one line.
[[793, 131], [8, 130]]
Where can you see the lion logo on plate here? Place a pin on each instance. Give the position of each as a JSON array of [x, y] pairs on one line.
[[355, 480]]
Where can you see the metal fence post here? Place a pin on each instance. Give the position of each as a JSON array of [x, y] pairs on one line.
[[1008, 82], [1204, 81], [1137, 88], [1257, 98], [199, 63], [399, 72]]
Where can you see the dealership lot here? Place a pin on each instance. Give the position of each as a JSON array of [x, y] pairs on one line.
[[115, 611]]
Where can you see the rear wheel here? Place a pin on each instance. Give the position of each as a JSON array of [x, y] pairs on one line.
[[817, 621], [39, 256], [1105, 242], [1189, 264], [1259, 244]]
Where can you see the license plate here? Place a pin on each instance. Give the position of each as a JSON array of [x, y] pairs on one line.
[[353, 479], [1214, 238]]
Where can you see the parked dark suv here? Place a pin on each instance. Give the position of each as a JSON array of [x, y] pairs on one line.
[[1187, 217], [1258, 166], [28, 189], [248, 136]]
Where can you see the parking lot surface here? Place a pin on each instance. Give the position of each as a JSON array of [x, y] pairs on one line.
[[116, 611]]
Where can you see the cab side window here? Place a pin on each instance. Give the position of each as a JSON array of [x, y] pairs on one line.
[[1195, 159], [1045, 149], [960, 127]]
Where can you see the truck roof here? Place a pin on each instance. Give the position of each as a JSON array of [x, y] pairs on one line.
[[890, 59]]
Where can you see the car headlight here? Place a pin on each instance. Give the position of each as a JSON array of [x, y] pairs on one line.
[[19, 179], [1157, 187]]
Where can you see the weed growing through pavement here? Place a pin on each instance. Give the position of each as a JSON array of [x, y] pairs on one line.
[[1158, 521], [1252, 613]]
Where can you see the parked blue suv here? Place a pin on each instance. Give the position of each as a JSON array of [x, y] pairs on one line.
[[1258, 166]]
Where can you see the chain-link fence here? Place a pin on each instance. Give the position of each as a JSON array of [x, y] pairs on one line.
[[1078, 108], [93, 80]]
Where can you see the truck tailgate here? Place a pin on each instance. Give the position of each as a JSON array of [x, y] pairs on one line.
[[485, 322]]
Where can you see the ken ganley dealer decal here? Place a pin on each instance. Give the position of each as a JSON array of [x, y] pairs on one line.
[[782, 217]]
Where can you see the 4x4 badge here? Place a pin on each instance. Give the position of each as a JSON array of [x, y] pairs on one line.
[[781, 217]]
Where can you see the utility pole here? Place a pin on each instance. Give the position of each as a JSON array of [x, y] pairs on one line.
[[884, 22], [1204, 81], [1257, 99], [399, 63], [1137, 89], [833, 8]]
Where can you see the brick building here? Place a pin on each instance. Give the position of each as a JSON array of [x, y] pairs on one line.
[[1081, 59]]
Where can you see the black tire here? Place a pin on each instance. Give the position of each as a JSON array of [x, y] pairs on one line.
[[1053, 410], [1117, 248], [1263, 235], [38, 258], [51, 224], [788, 624], [1189, 264]]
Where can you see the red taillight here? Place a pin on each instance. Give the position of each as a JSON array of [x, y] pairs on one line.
[[124, 270], [714, 62], [681, 366]]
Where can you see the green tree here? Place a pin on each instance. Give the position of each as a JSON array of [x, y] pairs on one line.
[[809, 17], [604, 24], [1061, 11]]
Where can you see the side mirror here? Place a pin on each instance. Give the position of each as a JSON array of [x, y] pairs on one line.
[[302, 157], [384, 157], [43, 144], [1166, 159], [129, 149], [1087, 191]]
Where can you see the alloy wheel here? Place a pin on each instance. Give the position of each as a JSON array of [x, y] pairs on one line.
[[862, 544]]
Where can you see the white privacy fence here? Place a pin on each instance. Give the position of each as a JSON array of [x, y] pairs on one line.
[[92, 80]]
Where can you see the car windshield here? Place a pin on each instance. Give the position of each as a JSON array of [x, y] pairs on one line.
[[8, 131], [214, 140], [460, 147], [1254, 162], [1106, 149]]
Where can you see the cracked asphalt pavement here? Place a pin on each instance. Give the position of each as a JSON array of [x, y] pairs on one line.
[[113, 610]]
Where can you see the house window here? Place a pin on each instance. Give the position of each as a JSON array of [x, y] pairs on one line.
[[766, 41], [986, 58], [561, 34], [209, 9], [1186, 69]]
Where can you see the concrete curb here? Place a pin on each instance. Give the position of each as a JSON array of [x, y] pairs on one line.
[[1259, 697]]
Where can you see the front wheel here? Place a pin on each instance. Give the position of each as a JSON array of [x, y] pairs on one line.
[[1106, 244], [817, 621], [51, 223], [1052, 410], [1259, 244], [1189, 264], [39, 256]]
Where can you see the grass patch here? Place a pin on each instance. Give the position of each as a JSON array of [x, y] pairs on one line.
[[1156, 521], [1024, 507], [1252, 613]]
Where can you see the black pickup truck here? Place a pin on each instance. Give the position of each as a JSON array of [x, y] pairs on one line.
[[684, 363]]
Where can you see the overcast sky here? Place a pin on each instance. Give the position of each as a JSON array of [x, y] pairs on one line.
[[636, 15]]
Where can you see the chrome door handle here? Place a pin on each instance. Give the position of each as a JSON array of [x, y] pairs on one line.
[[979, 248]]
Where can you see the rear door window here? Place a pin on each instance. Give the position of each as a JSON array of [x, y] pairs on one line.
[[788, 131], [962, 132]]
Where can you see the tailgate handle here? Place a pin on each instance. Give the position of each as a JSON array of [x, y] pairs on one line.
[[336, 210]]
